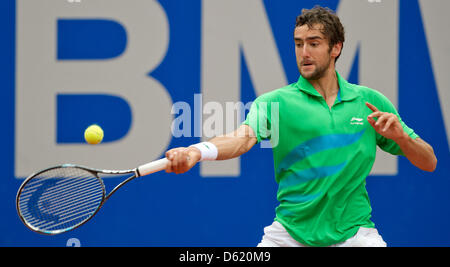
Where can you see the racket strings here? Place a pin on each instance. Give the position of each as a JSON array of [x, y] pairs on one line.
[[60, 199]]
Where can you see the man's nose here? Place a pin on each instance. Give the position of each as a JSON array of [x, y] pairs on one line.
[[305, 51]]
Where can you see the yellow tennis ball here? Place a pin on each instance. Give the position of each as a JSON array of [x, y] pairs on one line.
[[93, 134]]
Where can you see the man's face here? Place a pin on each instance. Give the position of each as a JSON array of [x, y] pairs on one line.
[[313, 52]]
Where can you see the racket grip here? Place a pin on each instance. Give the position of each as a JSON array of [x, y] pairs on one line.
[[151, 167]]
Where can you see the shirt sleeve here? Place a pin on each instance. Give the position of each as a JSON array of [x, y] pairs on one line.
[[259, 118], [388, 145]]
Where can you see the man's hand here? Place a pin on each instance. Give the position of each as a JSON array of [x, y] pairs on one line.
[[182, 159], [387, 124], [418, 152], [231, 145]]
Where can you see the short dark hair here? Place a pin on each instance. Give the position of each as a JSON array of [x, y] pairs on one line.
[[332, 26]]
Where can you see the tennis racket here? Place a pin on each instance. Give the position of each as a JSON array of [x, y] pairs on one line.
[[64, 197]]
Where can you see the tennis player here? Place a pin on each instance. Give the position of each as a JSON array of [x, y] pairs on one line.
[[328, 133]]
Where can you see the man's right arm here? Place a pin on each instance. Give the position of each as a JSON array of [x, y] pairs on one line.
[[229, 146], [234, 144]]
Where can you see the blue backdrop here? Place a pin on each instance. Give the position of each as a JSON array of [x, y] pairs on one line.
[[410, 208]]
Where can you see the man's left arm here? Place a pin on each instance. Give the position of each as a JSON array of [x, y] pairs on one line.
[[418, 152]]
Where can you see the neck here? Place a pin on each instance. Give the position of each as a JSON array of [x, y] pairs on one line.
[[327, 85]]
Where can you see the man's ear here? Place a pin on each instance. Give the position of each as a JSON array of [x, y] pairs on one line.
[[336, 50]]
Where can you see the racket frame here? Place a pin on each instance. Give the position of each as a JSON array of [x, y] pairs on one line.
[[142, 170], [95, 173]]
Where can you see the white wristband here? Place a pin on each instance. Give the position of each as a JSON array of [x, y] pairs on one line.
[[208, 150]]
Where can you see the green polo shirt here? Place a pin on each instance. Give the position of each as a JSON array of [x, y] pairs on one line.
[[322, 157]]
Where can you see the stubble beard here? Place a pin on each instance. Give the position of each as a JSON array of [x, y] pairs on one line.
[[318, 73]]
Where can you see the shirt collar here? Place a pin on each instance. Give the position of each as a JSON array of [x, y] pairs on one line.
[[346, 90]]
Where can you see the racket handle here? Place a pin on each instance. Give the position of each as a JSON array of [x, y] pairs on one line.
[[151, 167]]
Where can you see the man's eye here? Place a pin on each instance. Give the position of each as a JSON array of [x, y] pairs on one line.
[[314, 44], [299, 45]]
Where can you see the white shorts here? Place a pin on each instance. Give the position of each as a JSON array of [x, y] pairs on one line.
[[275, 235]]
